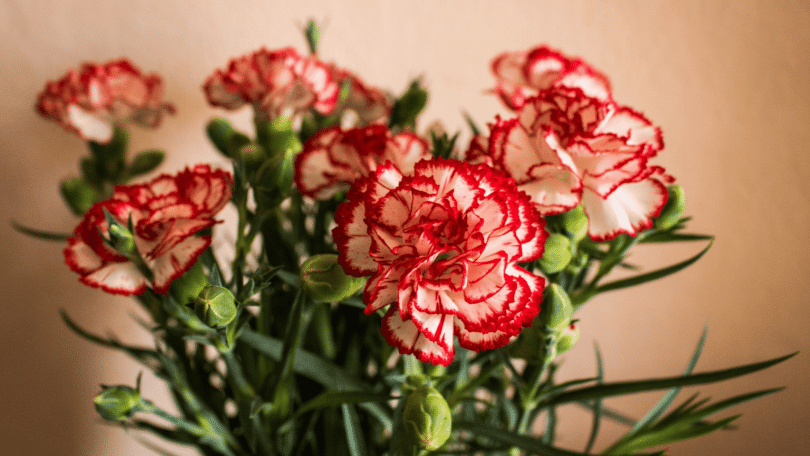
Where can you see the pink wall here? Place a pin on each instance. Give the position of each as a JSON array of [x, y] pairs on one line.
[[727, 81]]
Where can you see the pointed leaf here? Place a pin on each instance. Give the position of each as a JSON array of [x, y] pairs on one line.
[[46, 235], [650, 276], [354, 433], [620, 388]]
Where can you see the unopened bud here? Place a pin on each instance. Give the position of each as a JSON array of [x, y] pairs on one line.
[[324, 279], [252, 155], [121, 238], [216, 306], [673, 209], [575, 223], [427, 418], [568, 337], [557, 309], [188, 286], [117, 403], [78, 194], [556, 255]]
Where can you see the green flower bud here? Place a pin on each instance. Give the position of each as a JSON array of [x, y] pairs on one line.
[[220, 131], [216, 306], [427, 418], [188, 286], [252, 155], [408, 107], [672, 211], [325, 281], [273, 181], [557, 309], [117, 403], [556, 255], [575, 223], [530, 345], [121, 238], [567, 338], [277, 136], [78, 194], [145, 162]]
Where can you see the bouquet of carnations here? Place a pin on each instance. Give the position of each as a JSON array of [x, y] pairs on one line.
[[386, 291]]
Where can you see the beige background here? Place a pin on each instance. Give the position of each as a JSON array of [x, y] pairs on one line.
[[729, 82]]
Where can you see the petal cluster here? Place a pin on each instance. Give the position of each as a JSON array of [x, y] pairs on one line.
[[441, 246], [276, 83], [88, 101], [334, 158], [521, 75], [572, 144], [166, 213]]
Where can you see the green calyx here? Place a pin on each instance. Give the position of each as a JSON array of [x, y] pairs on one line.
[[117, 403], [556, 254], [325, 281], [427, 418], [673, 209], [216, 306]]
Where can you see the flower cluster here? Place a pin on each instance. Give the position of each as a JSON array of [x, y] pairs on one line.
[[442, 245], [571, 144], [91, 100], [162, 219], [281, 82], [333, 159]]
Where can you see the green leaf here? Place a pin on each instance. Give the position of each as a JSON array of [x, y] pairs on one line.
[[282, 383], [531, 444], [145, 162], [313, 35], [650, 276], [621, 388], [335, 398], [145, 356], [354, 433], [668, 398], [597, 403], [407, 108], [685, 425], [670, 236], [471, 123], [40, 234]]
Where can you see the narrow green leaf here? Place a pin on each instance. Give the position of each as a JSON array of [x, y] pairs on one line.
[[471, 123], [668, 398], [46, 235], [147, 357], [335, 398], [669, 236], [621, 388], [354, 433], [597, 403], [650, 276], [283, 382], [531, 444], [145, 162]]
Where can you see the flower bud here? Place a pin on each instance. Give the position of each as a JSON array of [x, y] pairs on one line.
[[220, 131], [427, 418], [556, 255], [273, 181], [576, 223], [216, 306], [673, 209], [121, 238], [324, 279], [188, 286], [252, 155], [78, 194], [557, 310], [117, 403], [567, 338]]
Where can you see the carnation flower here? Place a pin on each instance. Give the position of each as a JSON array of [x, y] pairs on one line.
[[368, 102], [166, 214], [441, 246], [566, 148], [91, 100], [334, 158], [521, 75], [277, 83]]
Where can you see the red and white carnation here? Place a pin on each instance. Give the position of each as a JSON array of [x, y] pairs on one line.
[[523, 74], [167, 213], [334, 158], [441, 246], [90, 100], [276, 83], [566, 148], [369, 103]]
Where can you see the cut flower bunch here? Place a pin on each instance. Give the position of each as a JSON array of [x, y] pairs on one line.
[[387, 290]]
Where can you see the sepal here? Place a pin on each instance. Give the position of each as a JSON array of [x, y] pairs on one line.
[[79, 194], [117, 403]]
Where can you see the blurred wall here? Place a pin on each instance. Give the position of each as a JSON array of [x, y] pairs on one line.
[[727, 81]]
